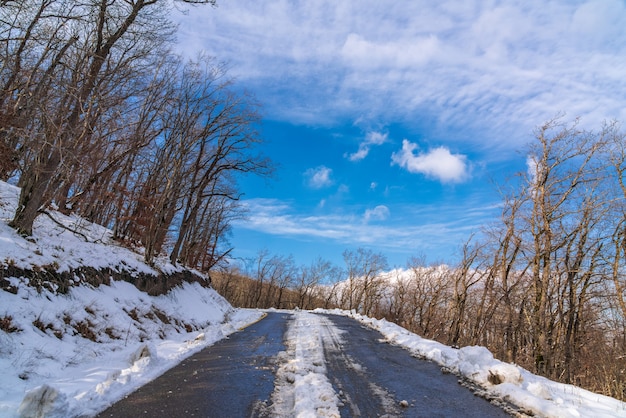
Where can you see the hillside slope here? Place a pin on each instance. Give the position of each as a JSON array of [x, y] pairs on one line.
[[74, 339]]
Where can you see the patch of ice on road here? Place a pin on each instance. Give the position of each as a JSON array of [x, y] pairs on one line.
[[302, 387]]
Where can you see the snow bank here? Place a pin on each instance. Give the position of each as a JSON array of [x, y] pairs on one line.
[[532, 393], [59, 371]]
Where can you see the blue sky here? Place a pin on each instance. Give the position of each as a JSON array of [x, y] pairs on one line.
[[391, 122]]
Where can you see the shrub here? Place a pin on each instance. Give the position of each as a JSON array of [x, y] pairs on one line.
[[6, 324]]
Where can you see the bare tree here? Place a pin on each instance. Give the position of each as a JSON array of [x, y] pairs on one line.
[[464, 277], [224, 147], [309, 280], [504, 282], [539, 294], [62, 63], [103, 45], [560, 166], [364, 282]]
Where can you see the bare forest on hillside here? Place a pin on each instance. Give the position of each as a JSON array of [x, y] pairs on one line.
[[100, 118]]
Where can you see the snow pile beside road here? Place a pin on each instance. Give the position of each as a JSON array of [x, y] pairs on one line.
[[92, 346], [532, 393], [302, 387]]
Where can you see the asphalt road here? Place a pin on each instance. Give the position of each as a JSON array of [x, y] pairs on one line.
[[232, 378], [235, 378], [374, 377]]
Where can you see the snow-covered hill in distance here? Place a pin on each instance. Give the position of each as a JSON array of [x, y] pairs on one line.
[[74, 353]]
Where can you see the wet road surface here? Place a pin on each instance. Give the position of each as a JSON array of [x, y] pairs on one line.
[[232, 378], [235, 378], [373, 377]]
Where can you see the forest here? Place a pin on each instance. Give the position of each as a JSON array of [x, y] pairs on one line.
[[542, 286], [99, 117]]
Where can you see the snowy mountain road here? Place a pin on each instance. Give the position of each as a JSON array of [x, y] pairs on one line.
[[375, 377], [241, 377]]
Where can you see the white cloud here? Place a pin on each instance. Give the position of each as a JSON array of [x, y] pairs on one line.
[[360, 154], [379, 213], [438, 163], [318, 177], [371, 138], [600, 23]]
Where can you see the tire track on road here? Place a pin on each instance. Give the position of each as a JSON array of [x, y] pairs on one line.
[[377, 379], [360, 396]]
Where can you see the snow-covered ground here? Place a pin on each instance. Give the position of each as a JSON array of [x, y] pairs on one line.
[[75, 376], [75, 354]]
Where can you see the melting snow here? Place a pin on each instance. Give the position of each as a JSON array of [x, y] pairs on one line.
[[302, 388]]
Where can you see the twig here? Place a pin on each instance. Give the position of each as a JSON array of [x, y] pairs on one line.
[[45, 212]]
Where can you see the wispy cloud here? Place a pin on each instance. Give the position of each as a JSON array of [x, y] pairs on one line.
[[357, 51], [499, 67], [473, 77], [318, 177], [371, 139], [440, 227], [379, 213], [438, 163]]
